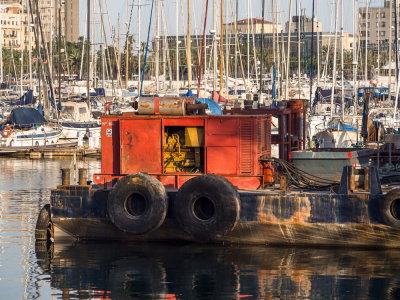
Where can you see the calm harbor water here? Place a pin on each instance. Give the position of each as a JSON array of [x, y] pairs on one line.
[[153, 271]]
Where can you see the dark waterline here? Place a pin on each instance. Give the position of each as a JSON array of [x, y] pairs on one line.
[[154, 271]]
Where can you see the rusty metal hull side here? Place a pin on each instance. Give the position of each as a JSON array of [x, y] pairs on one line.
[[251, 233], [266, 217]]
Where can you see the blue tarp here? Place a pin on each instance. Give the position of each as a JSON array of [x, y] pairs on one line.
[[26, 99], [26, 117], [212, 105], [343, 127], [100, 91]]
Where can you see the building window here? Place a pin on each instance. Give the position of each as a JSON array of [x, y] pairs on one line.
[[383, 24], [383, 15], [383, 33]]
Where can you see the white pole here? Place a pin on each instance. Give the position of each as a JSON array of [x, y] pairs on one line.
[[288, 51], [248, 46], [139, 46], [390, 46], [215, 46], [355, 54], [177, 47], [334, 59], [366, 45], [21, 37], [157, 46], [298, 45], [1, 52], [342, 56], [318, 54], [28, 22]]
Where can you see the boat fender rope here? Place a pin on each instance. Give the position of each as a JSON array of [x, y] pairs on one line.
[[6, 132]]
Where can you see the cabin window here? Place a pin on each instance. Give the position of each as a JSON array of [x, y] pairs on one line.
[[67, 112], [82, 110]]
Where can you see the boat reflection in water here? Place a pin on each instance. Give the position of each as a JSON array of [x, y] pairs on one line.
[[152, 271]]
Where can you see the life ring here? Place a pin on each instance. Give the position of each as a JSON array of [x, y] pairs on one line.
[[390, 208], [137, 204], [6, 132], [44, 228], [207, 207]]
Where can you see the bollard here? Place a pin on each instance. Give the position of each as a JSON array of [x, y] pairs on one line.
[[83, 176], [283, 183], [66, 176]]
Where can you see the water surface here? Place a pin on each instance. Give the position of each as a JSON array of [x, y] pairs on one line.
[[154, 271]]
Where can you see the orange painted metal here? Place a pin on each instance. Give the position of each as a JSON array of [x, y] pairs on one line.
[[232, 147]]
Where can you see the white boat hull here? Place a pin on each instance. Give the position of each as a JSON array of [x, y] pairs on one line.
[[41, 136]]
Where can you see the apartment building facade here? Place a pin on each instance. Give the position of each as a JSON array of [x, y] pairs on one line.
[[374, 25], [17, 11]]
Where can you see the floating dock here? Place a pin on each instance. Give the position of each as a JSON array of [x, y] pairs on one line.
[[49, 151]]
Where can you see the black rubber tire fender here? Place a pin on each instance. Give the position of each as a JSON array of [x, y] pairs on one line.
[[390, 208], [43, 224], [207, 207], [137, 204]]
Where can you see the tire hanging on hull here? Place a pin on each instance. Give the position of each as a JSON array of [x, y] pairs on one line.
[[43, 228], [137, 204], [207, 207], [390, 208]]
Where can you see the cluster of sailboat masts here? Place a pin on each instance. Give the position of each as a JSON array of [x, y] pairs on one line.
[[213, 57]]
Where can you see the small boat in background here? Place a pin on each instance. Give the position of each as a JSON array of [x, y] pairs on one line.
[[26, 127], [77, 124]]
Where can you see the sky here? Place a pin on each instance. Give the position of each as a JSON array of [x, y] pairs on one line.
[[114, 9]]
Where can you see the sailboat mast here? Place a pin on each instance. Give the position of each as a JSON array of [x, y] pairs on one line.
[[22, 50], [1, 52], [299, 17], [88, 54], [288, 51], [139, 45], [396, 45], [59, 53], [355, 52], [202, 52], [390, 46], [334, 59], [177, 46], [236, 46], [29, 45], [189, 48], [312, 51], [221, 48], [262, 48], [248, 46], [157, 46], [318, 52], [366, 46], [342, 56]]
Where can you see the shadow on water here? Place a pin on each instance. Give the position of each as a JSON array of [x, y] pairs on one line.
[[153, 271]]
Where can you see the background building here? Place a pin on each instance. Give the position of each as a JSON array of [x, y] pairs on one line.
[[304, 24], [13, 11], [375, 25], [14, 30], [255, 26]]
